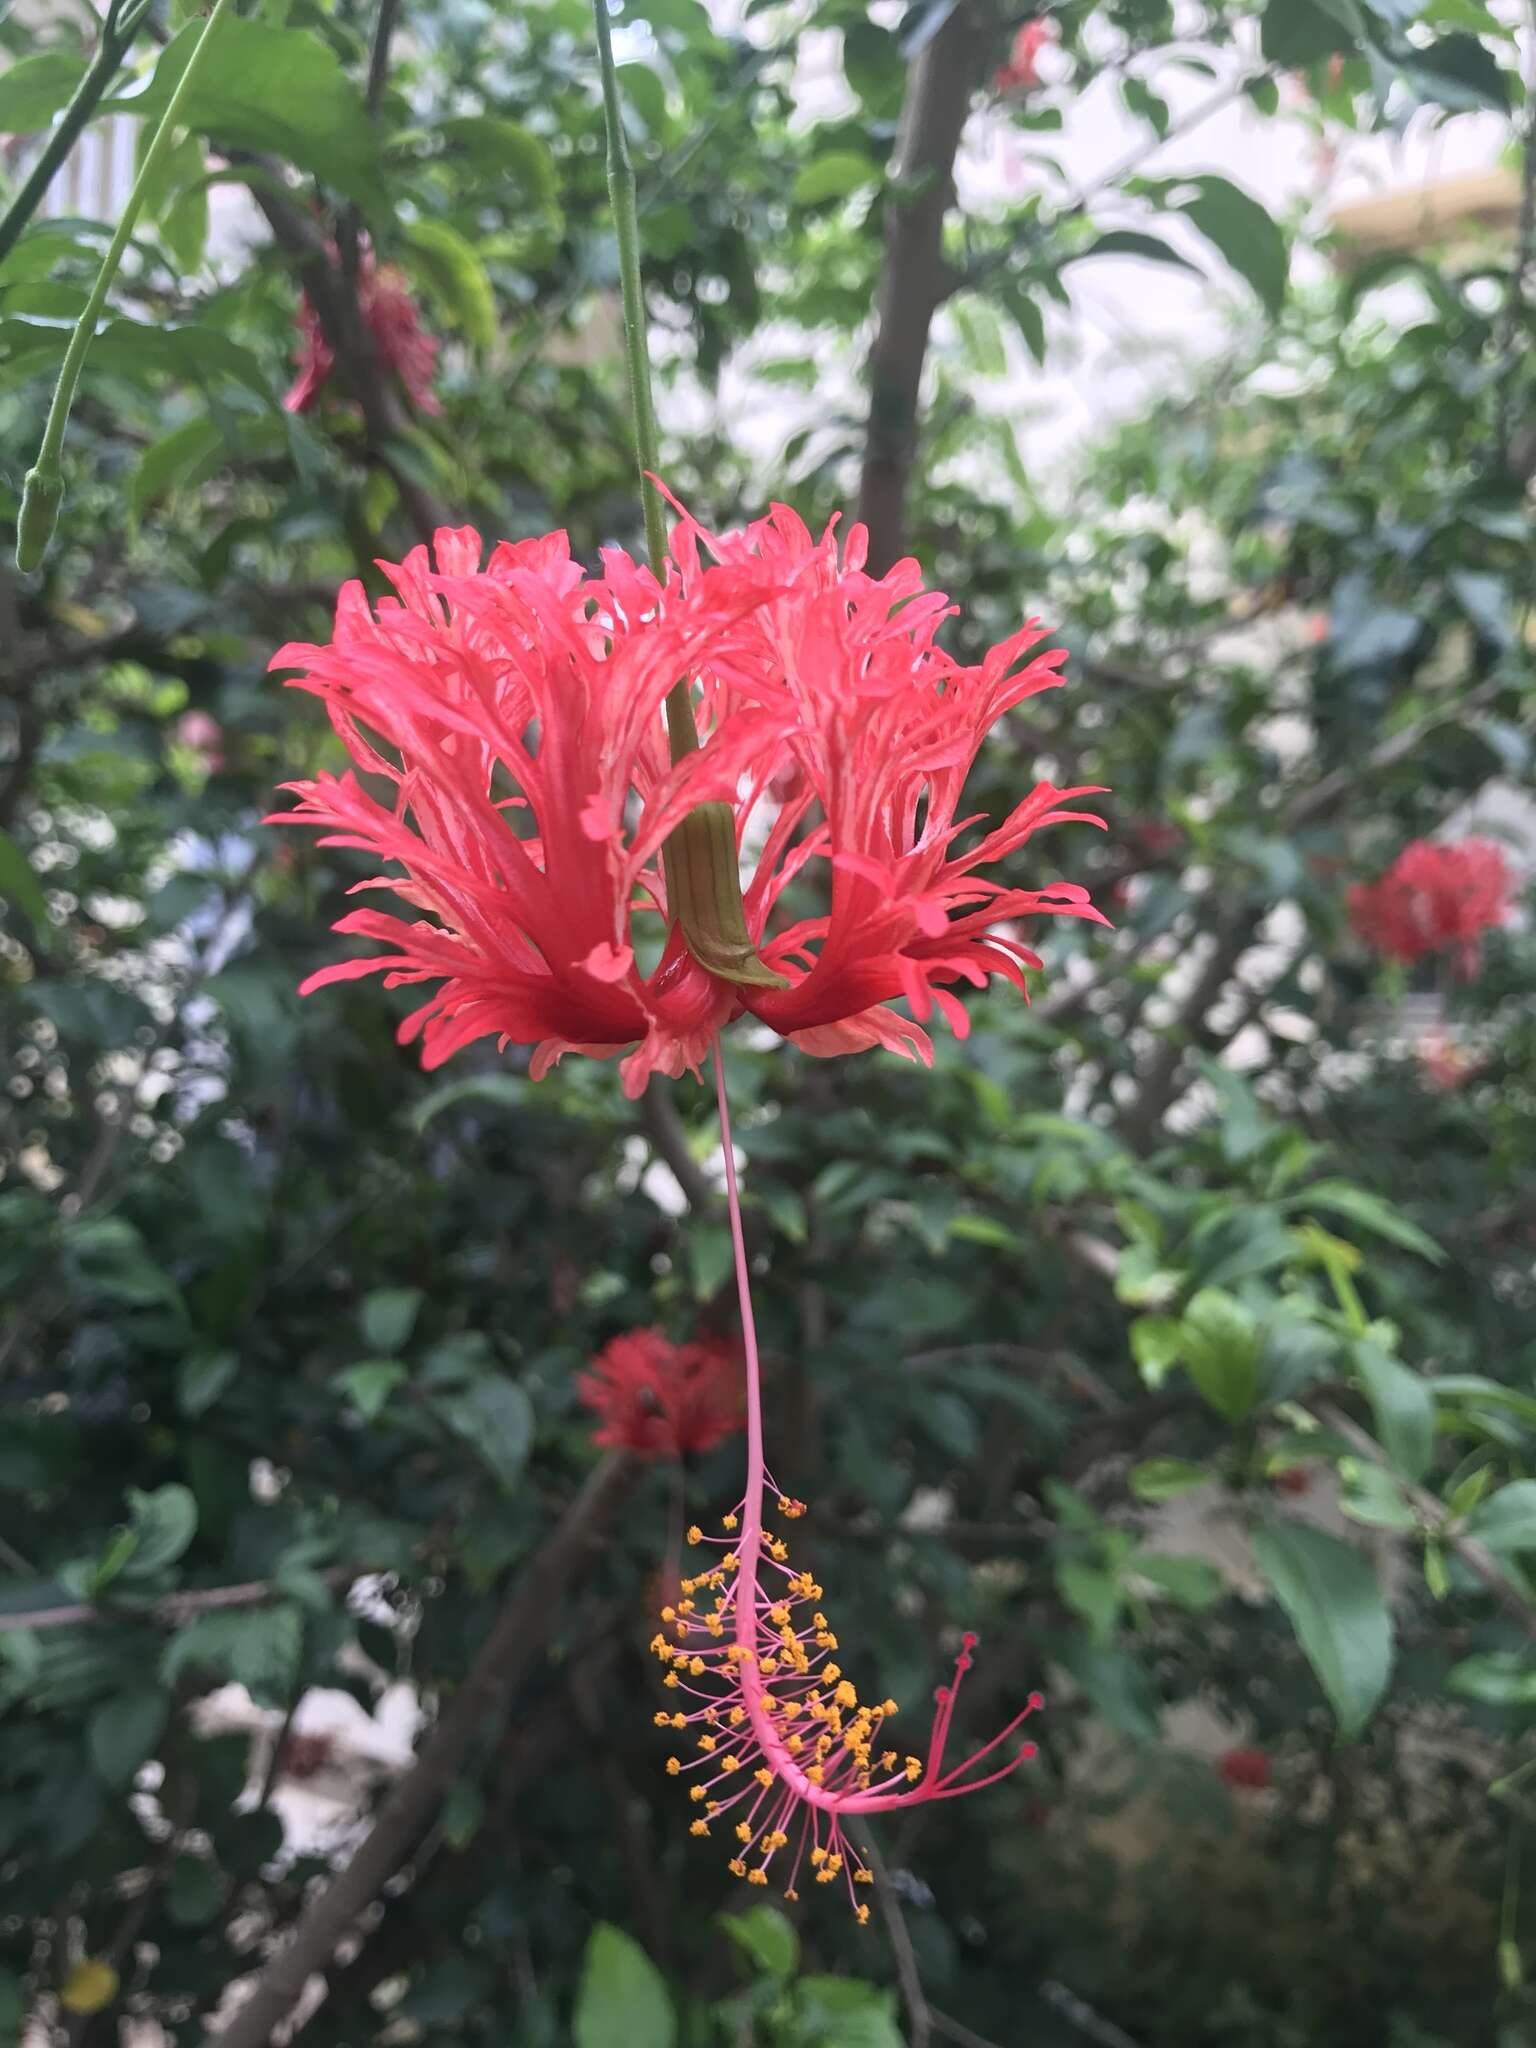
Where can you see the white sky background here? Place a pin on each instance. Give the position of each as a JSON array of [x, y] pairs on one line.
[[1133, 323]]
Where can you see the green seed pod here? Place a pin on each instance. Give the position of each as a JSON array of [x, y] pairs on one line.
[[42, 493]]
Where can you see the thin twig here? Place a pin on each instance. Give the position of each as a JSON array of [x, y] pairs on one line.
[[908, 1976], [174, 1608]]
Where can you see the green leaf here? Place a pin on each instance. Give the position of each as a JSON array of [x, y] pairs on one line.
[[1114, 1684], [203, 1377], [164, 1523], [1506, 1521], [389, 1315], [369, 1384], [1237, 226], [279, 90], [505, 147], [506, 1091], [833, 176], [1457, 72], [1297, 33], [1141, 1281], [451, 270], [622, 2000], [36, 88], [258, 1647], [131, 348], [1094, 1594], [1498, 1678], [166, 461], [844, 2012], [1165, 1478], [1131, 242], [1359, 1205], [1403, 1405], [1192, 1582], [1372, 1496], [768, 1938], [495, 1418], [1330, 1595], [1219, 1341], [1155, 1346], [123, 1733], [19, 885]]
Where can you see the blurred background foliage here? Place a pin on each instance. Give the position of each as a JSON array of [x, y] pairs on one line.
[[1175, 1333]]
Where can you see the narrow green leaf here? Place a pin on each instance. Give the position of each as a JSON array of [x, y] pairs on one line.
[[1403, 1405], [450, 269], [833, 176], [1506, 1520]]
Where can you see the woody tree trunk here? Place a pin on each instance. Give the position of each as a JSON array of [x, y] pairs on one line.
[[914, 279]]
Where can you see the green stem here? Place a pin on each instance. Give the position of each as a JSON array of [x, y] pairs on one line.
[[116, 40], [703, 886], [43, 490]]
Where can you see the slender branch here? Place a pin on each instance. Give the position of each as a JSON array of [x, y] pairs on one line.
[[1091, 2025], [378, 55], [920, 2019], [519, 1635], [914, 279], [174, 1608], [1436, 1518], [956, 2031], [118, 32], [43, 488], [664, 1127]]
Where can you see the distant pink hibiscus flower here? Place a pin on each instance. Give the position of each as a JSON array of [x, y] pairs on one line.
[[384, 299], [1435, 898]]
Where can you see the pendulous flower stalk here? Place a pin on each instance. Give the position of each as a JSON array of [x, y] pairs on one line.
[[781, 1738]]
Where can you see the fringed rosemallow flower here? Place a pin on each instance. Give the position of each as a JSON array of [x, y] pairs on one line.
[[511, 716], [385, 302], [781, 1753], [1021, 73], [660, 1399], [523, 799], [1435, 898]]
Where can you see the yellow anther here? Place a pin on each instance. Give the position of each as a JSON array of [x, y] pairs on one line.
[[685, 1607], [695, 1793], [818, 1857], [779, 1615], [824, 1876], [888, 1760], [764, 1777], [825, 1640], [743, 1831], [758, 1876], [889, 1707], [845, 1695], [672, 1679], [727, 1522], [736, 1867], [834, 1864], [696, 1667], [861, 1914], [715, 1625], [768, 1665], [815, 1774], [777, 1840], [712, 1715], [662, 1720], [778, 1549], [737, 1716], [794, 1745], [819, 1620], [790, 1709], [729, 1562], [831, 1671], [730, 1763], [698, 1827], [686, 1585], [713, 1808], [791, 1893], [673, 1766], [706, 1743], [679, 1720], [914, 1769], [669, 1614], [862, 1876], [695, 1533]]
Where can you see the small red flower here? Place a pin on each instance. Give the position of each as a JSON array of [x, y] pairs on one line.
[[662, 1399], [531, 793], [384, 298], [1248, 1770], [1021, 73], [1292, 1479], [1435, 898]]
